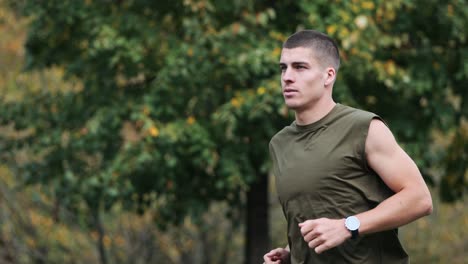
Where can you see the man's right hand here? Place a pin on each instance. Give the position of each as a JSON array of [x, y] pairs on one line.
[[277, 256]]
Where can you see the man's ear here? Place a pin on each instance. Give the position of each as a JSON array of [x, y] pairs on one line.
[[331, 76]]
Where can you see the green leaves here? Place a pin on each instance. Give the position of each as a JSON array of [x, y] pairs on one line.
[[180, 98]]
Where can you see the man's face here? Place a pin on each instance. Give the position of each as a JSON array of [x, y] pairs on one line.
[[302, 78]]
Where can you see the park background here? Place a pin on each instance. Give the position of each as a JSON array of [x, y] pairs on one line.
[[136, 131]]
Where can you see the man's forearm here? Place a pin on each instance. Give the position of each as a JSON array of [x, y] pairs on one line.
[[400, 209]]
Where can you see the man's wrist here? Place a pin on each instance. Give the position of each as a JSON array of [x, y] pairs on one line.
[[347, 233], [352, 224]]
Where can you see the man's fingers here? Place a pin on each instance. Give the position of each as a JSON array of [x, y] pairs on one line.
[[273, 257], [273, 252], [315, 242], [323, 247], [276, 256], [307, 226], [271, 260], [311, 235]]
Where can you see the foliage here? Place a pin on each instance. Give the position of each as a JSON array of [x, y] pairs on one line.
[[31, 232], [178, 99], [148, 127]]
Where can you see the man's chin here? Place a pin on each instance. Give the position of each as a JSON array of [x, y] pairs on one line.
[[292, 106]]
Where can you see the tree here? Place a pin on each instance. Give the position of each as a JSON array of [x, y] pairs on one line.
[[180, 98]]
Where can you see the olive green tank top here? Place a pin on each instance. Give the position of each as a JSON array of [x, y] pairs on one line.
[[321, 171]]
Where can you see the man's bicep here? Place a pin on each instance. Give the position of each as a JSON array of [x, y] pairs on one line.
[[388, 159]]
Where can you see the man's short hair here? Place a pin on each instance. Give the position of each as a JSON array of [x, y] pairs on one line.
[[324, 47]]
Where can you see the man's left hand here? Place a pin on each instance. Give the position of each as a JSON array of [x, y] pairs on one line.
[[323, 234]]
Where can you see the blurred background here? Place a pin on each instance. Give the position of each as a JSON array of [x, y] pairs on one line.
[[136, 131]]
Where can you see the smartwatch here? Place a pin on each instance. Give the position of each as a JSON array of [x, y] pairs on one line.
[[352, 224]]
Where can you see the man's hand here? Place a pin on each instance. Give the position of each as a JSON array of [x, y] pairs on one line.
[[323, 234], [277, 256]]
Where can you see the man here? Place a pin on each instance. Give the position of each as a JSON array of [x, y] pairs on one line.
[[344, 183]]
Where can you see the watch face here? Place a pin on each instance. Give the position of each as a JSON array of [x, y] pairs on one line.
[[352, 223]]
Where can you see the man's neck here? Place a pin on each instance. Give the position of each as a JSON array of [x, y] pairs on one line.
[[315, 113]]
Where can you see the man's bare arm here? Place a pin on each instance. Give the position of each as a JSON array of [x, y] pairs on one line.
[[411, 200]]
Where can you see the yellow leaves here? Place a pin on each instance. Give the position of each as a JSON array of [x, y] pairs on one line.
[[236, 28], [40, 220], [464, 129], [146, 110], [191, 120], [12, 32], [119, 241], [390, 15], [215, 51], [31, 242], [106, 240], [276, 52], [369, 5], [390, 73], [62, 234], [370, 99], [122, 80], [345, 17], [235, 102], [261, 90], [331, 29], [190, 52], [343, 33], [251, 95], [94, 235], [153, 131], [387, 11], [442, 139], [277, 36], [450, 10], [390, 67], [6, 176]]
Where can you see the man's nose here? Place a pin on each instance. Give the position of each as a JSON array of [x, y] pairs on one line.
[[288, 75]]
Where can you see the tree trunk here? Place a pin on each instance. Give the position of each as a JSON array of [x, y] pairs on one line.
[[101, 233], [257, 238]]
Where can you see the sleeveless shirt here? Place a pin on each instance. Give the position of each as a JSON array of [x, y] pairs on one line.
[[321, 171]]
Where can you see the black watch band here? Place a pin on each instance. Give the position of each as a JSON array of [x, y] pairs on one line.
[[352, 223]]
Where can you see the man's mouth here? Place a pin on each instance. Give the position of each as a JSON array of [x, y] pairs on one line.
[[289, 91]]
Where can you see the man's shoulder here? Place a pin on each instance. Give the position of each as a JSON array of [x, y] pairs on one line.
[[356, 115], [281, 135], [356, 111]]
